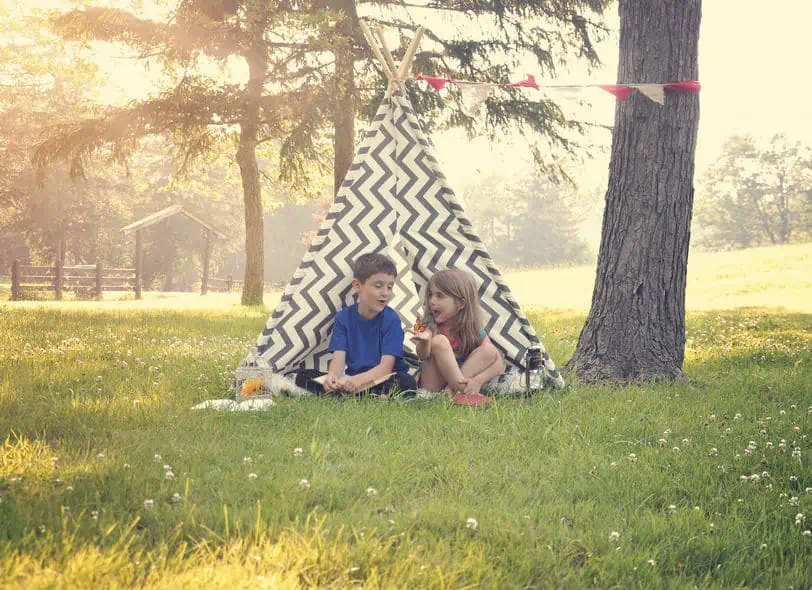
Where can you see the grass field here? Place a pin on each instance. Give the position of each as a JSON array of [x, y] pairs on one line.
[[108, 479]]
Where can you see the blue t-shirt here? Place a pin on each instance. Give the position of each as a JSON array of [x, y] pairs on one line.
[[366, 341]]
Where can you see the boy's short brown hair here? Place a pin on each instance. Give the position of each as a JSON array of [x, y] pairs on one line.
[[367, 265]]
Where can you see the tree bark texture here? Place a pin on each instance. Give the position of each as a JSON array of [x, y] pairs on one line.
[[636, 324], [344, 110], [249, 172]]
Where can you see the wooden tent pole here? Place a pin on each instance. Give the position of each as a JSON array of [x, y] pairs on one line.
[[390, 61], [406, 63], [375, 49]]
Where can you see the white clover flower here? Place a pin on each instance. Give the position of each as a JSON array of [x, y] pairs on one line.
[[471, 523], [372, 492], [252, 476], [781, 413], [755, 478], [651, 562], [41, 528], [752, 445], [94, 514], [768, 445], [743, 478], [666, 432], [675, 449], [633, 458], [297, 452], [808, 490], [246, 460], [697, 508], [807, 533], [614, 537], [712, 417], [799, 518], [748, 451], [662, 442], [793, 407], [100, 456], [764, 545], [672, 509], [796, 452], [686, 441], [737, 417], [613, 464], [149, 504], [713, 452], [793, 501], [157, 458], [169, 475], [765, 474], [167, 468], [176, 498], [304, 484], [796, 429], [126, 466]]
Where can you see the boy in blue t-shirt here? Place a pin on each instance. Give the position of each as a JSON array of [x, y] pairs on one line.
[[367, 340]]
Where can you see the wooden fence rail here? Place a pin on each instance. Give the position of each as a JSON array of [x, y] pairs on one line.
[[224, 285], [91, 279]]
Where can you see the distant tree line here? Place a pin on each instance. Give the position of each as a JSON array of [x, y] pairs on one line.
[[756, 193]]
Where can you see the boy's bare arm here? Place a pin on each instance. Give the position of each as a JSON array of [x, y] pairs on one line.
[[336, 369], [386, 366]]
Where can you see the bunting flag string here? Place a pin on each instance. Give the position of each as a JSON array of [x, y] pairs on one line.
[[475, 93]]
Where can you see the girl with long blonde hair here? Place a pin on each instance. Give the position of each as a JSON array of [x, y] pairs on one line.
[[457, 354]]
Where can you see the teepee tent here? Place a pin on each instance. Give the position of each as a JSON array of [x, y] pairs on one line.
[[395, 201]]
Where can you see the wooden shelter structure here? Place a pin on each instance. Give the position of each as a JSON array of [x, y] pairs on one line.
[[161, 215]]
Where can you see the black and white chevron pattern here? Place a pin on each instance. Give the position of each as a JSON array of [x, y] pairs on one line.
[[396, 201]]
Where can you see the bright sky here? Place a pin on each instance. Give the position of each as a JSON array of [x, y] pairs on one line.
[[751, 65], [752, 56]]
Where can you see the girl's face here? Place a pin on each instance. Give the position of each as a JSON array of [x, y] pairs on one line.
[[443, 306]]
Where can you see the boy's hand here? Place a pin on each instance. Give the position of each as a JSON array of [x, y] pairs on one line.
[[332, 383], [350, 384]]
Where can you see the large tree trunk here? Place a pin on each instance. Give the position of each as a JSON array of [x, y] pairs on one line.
[[344, 111], [249, 171], [636, 325]]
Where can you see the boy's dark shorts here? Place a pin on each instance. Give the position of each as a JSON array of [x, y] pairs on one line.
[[401, 383]]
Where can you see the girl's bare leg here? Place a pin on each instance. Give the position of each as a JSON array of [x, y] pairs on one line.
[[442, 367], [430, 377], [482, 358], [483, 364]]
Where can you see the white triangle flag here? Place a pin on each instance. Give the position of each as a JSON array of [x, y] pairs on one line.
[[472, 97], [653, 91]]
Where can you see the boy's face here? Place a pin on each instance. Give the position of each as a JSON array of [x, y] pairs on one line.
[[374, 293]]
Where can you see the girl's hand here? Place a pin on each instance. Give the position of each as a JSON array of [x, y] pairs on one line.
[[422, 336], [420, 333], [472, 386]]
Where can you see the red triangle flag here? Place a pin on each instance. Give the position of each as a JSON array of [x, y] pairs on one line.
[[529, 82], [621, 92], [436, 83], [686, 86]]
